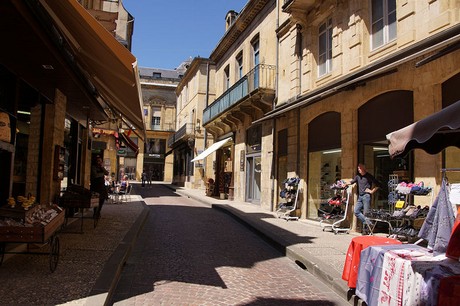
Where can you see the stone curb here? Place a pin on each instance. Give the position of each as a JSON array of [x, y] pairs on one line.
[[107, 281]]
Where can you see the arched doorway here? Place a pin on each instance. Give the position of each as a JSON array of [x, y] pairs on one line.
[[324, 159], [376, 118]]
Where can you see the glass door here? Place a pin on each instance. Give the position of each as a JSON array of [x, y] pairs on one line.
[[253, 178]]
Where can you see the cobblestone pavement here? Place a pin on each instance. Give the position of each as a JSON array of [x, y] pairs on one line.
[[190, 254], [27, 280]]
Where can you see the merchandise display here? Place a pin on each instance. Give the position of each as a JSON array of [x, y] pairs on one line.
[[290, 193], [409, 274], [31, 223]]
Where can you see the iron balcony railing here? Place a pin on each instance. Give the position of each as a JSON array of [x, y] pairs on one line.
[[262, 76], [167, 127], [183, 133]]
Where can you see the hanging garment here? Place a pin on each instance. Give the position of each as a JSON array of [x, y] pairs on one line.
[[438, 224]]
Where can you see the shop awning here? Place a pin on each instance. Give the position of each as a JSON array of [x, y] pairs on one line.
[[106, 63], [432, 134], [131, 144], [214, 147]]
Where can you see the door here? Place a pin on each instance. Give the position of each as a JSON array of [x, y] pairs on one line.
[[253, 170]]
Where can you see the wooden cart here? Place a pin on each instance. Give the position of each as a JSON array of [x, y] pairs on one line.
[[42, 234]]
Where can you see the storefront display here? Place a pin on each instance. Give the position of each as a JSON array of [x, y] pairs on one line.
[[324, 171], [290, 194]]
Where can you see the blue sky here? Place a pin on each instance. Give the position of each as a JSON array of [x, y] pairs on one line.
[[167, 32]]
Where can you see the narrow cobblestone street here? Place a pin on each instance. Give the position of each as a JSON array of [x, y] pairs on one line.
[[190, 254]]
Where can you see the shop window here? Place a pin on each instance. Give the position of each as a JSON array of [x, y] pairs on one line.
[[383, 22], [324, 161], [372, 143], [254, 139], [324, 170], [378, 163], [27, 126]]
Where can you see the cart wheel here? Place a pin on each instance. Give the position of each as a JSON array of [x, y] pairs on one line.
[[54, 253], [2, 252], [323, 229]]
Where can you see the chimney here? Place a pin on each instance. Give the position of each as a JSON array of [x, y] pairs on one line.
[[230, 19]]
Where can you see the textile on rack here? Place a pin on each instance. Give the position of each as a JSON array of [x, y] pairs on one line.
[[438, 224]]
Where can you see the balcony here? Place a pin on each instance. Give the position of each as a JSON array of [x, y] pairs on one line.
[[185, 133], [291, 6], [251, 96], [166, 127]]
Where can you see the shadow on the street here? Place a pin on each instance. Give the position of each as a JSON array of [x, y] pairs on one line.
[[184, 243]]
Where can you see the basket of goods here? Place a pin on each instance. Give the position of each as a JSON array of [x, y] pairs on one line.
[[37, 226]]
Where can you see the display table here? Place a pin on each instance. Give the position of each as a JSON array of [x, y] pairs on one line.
[[357, 244], [403, 275], [370, 270]]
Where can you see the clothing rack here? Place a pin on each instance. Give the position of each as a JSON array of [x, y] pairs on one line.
[[444, 170]]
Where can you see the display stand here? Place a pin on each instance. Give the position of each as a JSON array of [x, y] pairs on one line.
[[335, 224], [402, 218], [80, 198], [291, 195]]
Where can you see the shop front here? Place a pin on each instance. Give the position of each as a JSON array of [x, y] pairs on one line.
[[155, 159], [324, 160], [253, 164], [51, 97]]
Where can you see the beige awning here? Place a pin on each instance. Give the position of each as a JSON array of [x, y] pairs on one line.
[[108, 65], [432, 134], [214, 147]]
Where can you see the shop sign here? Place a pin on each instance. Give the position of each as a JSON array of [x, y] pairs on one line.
[[156, 155], [122, 152]]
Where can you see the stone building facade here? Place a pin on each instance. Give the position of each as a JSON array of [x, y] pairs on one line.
[[159, 105], [54, 96], [193, 92], [351, 72], [245, 81], [345, 74]]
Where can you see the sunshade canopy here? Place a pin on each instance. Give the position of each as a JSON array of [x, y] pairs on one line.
[[108, 65], [214, 147], [432, 134]]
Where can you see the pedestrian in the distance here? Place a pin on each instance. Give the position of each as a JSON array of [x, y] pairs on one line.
[[150, 176], [98, 173], [143, 178]]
